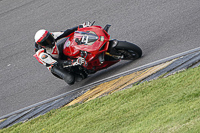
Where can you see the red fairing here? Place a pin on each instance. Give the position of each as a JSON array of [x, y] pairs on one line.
[[94, 40], [69, 48]]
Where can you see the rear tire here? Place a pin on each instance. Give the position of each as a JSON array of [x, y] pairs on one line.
[[129, 50]]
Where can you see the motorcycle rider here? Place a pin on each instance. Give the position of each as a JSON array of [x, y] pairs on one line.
[[50, 54]]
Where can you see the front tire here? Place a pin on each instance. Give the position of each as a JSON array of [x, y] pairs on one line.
[[128, 50]]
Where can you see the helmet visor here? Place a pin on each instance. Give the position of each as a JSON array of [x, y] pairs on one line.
[[48, 41]]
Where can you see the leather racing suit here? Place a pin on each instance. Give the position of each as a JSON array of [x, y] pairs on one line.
[[54, 59]]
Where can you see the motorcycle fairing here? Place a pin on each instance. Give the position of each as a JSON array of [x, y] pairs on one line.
[[94, 40]]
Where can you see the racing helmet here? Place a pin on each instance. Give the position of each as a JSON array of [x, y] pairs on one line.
[[44, 38]]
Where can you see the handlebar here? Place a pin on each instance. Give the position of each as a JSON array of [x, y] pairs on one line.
[[93, 23]]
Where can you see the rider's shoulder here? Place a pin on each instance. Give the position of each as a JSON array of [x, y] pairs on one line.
[[56, 34]]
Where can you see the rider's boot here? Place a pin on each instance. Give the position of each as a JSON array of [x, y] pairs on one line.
[[78, 78], [82, 75], [68, 77]]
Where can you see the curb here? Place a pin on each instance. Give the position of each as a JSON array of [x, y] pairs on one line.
[[106, 86]]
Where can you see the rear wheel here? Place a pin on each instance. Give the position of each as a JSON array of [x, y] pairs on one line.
[[128, 50]]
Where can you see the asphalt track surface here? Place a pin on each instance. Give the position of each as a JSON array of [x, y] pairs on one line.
[[160, 27]]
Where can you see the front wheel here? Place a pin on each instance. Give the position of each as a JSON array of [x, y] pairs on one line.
[[129, 51]]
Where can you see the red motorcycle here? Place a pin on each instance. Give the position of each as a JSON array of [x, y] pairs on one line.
[[94, 44]]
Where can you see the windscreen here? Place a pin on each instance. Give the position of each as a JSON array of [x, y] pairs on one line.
[[86, 38]]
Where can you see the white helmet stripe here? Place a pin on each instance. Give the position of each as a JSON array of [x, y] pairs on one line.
[[39, 34]]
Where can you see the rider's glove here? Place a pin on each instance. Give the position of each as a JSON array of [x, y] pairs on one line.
[[86, 24], [79, 61]]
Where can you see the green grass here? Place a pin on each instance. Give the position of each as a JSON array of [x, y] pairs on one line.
[[169, 104]]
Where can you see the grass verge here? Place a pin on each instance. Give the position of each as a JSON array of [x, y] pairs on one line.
[[169, 104]]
